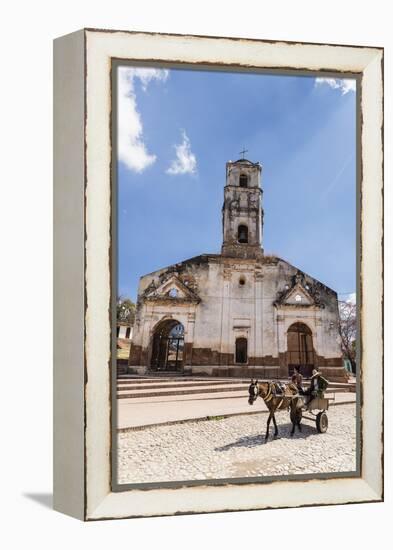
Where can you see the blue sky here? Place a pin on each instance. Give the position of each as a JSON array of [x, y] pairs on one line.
[[178, 128]]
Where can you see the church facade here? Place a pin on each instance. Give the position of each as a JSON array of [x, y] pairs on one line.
[[238, 313]]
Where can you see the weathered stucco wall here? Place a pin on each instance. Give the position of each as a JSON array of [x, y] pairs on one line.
[[238, 298]]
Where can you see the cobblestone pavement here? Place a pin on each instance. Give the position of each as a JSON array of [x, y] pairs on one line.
[[235, 447]]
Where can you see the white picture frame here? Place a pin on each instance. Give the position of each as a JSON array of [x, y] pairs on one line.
[[82, 240]]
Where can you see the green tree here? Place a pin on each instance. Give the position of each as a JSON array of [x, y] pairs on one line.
[[347, 327], [125, 310]]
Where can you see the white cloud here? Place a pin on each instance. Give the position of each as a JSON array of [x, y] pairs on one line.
[[345, 85], [131, 146], [351, 298], [185, 161]]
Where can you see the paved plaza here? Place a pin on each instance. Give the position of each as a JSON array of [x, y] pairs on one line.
[[147, 401], [235, 447]]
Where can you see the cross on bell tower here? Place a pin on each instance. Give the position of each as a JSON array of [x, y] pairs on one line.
[[242, 213]]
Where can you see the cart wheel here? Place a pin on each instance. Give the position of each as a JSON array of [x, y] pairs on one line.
[[322, 422]]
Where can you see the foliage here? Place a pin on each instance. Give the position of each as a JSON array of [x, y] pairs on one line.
[[125, 310], [347, 328]]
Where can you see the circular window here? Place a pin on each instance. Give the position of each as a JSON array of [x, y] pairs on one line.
[[173, 293], [242, 281]]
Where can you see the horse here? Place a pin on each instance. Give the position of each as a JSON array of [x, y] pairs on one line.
[[290, 399]]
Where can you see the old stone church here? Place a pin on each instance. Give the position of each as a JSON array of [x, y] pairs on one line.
[[238, 313]]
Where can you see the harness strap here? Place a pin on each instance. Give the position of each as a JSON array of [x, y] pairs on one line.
[[269, 395]]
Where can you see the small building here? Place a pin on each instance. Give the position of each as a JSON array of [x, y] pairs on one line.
[[124, 331], [124, 336], [238, 313]]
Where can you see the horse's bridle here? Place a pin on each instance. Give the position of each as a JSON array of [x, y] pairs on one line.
[[253, 392]]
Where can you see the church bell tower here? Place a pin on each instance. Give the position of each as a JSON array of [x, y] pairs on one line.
[[242, 213]]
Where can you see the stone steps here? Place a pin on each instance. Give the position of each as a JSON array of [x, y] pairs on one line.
[[169, 385], [138, 379], [164, 382], [180, 391], [146, 388]]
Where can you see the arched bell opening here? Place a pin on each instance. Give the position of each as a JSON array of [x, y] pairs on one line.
[[242, 234], [243, 180]]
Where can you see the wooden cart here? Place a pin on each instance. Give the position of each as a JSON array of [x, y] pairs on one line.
[[320, 404]]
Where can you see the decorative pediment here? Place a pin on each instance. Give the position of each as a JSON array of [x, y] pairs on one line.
[[299, 294], [171, 289]]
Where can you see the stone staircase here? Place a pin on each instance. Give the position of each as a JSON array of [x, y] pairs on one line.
[[166, 386]]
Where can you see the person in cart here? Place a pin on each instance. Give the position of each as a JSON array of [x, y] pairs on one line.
[[318, 385], [297, 380]]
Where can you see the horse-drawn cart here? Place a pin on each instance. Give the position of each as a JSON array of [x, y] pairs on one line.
[[320, 418], [277, 397]]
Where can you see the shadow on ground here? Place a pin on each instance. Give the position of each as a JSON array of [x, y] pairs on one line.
[[284, 432], [45, 499]]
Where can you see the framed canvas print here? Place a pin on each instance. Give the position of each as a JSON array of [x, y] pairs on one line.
[[218, 274]]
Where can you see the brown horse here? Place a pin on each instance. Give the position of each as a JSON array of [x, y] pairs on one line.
[[289, 399]]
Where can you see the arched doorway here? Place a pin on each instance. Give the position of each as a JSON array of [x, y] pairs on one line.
[[168, 346], [300, 350]]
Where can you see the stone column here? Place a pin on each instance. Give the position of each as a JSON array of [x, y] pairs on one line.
[[281, 344], [318, 339], [146, 339], [258, 315], [225, 319], [189, 341]]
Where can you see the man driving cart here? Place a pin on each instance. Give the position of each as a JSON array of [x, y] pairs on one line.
[[318, 385]]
